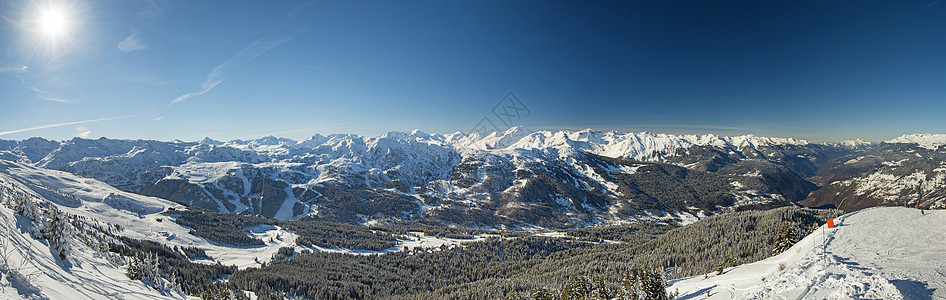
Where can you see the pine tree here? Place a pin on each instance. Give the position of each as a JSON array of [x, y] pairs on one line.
[[154, 272], [59, 233], [575, 289], [135, 271], [542, 294], [629, 287], [146, 267], [174, 283], [784, 238], [24, 206], [644, 284], [656, 287], [584, 288]]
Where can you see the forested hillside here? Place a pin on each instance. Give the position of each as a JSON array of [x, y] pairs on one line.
[[503, 267]]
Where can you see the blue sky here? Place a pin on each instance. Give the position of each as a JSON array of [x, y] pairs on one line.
[[163, 69]]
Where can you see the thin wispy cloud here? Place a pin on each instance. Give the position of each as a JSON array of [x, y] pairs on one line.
[[18, 68], [132, 43], [48, 96], [295, 11], [59, 125], [219, 73], [152, 10], [205, 87], [84, 132], [917, 14]]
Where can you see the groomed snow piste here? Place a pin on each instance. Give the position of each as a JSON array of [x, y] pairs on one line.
[[876, 253]]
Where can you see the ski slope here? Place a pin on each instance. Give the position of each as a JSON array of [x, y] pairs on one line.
[[876, 253]]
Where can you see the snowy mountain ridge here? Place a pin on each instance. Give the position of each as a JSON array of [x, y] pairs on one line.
[[643, 146], [582, 177], [571, 178], [639, 146], [925, 140]]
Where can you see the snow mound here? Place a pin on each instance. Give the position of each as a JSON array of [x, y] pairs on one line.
[[877, 253], [925, 140]]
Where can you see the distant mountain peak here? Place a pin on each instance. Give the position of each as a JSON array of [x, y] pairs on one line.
[[856, 144], [925, 140], [313, 141], [210, 141]]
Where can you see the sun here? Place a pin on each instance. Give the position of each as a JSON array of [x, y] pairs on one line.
[[53, 28], [53, 22]]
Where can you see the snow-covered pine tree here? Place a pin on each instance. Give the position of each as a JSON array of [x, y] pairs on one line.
[[145, 267], [627, 291], [584, 288], [784, 238], [643, 284], [598, 290], [59, 233], [134, 271], [24, 206], [153, 272], [174, 283], [631, 286], [4, 197], [575, 289], [656, 285], [542, 294]]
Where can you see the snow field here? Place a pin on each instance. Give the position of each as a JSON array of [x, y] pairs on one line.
[[877, 253]]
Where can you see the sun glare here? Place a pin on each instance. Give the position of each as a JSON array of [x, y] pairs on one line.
[[53, 22], [53, 27]]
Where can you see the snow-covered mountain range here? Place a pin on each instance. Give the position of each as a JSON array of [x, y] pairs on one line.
[[868, 255], [516, 178]]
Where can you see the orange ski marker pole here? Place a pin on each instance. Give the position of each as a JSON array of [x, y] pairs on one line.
[[830, 223]]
